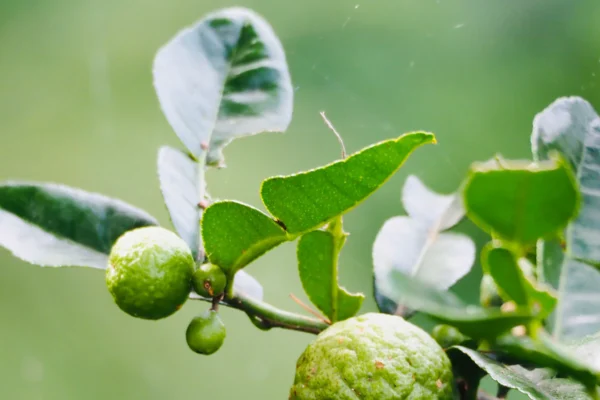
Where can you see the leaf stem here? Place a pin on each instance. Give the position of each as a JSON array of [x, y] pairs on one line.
[[336, 229], [271, 316]]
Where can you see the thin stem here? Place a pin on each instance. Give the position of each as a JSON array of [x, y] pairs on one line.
[[335, 132], [272, 317]]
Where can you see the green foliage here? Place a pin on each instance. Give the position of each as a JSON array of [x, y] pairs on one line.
[[546, 352], [521, 202], [235, 234], [308, 200], [475, 322], [501, 264], [417, 245], [58, 226], [227, 77], [537, 384], [318, 268], [572, 127]]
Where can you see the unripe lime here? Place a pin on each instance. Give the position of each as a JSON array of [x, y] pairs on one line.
[[149, 272], [205, 334], [447, 336], [488, 294], [209, 280], [373, 357]]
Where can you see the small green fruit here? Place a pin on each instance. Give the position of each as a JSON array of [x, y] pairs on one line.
[[373, 357], [447, 336], [205, 334], [149, 272], [209, 280], [488, 294]]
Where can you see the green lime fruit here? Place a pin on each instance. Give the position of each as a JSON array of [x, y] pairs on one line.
[[209, 280], [205, 334], [373, 357], [488, 292], [149, 272], [447, 336]]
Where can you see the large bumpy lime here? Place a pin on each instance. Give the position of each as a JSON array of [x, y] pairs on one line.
[[373, 357], [149, 272]]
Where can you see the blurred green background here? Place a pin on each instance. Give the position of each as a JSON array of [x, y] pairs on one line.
[[77, 107]]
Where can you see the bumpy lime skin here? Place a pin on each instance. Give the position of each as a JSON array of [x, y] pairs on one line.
[[149, 272], [209, 280], [373, 357], [206, 333]]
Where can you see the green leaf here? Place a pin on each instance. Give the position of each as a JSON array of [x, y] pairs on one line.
[[513, 284], [547, 353], [57, 226], [572, 127], [418, 246], [537, 386], [223, 78], [473, 321], [521, 202], [318, 267], [235, 234], [182, 186], [308, 200]]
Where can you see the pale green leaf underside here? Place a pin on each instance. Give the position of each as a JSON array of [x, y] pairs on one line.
[[441, 211], [521, 202], [473, 321], [309, 200], [588, 350], [182, 187], [572, 127], [235, 234], [417, 245], [58, 226], [223, 78], [578, 311], [317, 265], [515, 377]]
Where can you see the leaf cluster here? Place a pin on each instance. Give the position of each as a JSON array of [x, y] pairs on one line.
[[227, 77]]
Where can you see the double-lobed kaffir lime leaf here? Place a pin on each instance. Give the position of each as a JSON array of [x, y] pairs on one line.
[[473, 321], [537, 384], [318, 253], [419, 245], [308, 200], [236, 234], [223, 78], [521, 202], [58, 226], [572, 127]]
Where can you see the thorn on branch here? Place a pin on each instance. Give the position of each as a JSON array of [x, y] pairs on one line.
[[309, 309], [337, 135]]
